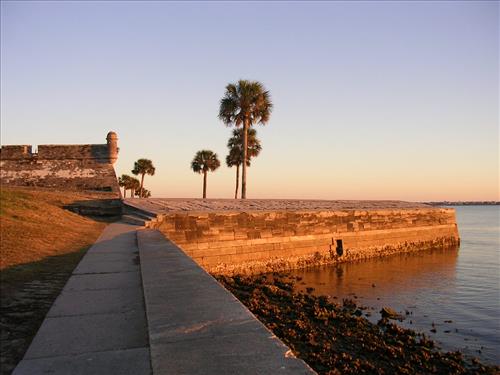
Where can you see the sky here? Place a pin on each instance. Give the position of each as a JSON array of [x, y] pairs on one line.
[[372, 100]]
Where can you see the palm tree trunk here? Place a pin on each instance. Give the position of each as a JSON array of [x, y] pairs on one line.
[[245, 152], [204, 185], [237, 181], [142, 184], [124, 192]]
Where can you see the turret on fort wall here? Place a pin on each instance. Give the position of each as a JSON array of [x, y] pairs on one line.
[[112, 140], [63, 167]]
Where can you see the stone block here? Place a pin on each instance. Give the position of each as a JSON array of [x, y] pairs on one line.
[[266, 233], [202, 245], [226, 235]]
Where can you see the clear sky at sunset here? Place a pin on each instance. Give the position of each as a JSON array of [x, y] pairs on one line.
[[372, 100]]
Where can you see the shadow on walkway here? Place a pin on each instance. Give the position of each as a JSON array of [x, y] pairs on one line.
[[27, 293]]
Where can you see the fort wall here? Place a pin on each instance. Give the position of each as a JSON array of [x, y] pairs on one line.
[[66, 167], [251, 242]]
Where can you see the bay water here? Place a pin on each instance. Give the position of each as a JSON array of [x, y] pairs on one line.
[[451, 295]]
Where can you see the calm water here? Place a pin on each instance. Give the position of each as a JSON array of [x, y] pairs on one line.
[[434, 287]]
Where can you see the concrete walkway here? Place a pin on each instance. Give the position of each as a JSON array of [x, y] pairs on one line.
[[162, 315], [196, 326], [98, 324]]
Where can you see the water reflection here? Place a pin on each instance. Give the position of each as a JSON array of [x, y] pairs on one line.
[[426, 288], [402, 273], [386, 276]]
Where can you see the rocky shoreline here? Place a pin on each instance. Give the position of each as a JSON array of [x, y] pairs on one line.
[[336, 339]]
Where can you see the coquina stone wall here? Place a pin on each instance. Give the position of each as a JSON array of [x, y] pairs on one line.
[[67, 167], [250, 242]]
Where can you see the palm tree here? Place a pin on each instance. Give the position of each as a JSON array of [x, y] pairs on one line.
[[134, 186], [123, 182], [204, 161], [145, 192], [143, 167], [235, 157], [245, 104]]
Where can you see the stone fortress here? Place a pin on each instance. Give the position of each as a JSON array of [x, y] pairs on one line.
[[142, 301], [237, 236], [64, 167]]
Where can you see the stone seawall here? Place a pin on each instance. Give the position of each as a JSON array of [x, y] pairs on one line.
[[228, 242]]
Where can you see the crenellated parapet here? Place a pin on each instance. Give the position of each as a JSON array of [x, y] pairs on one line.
[[15, 152]]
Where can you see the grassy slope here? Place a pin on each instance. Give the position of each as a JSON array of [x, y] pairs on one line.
[[34, 225], [41, 244]]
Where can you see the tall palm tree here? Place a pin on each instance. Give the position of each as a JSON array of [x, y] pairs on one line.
[[203, 162], [245, 104], [235, 157], [143, 167]]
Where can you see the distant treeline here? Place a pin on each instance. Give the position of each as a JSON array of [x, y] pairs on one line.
[[466, 203]]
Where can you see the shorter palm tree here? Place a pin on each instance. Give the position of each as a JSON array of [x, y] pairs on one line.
[[203, 162], [129, 183], [143, 167], [235, 157], [134, 187], [123, 182], [145, 192]]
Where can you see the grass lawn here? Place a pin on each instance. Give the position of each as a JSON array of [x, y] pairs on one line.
[[41, 244]]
